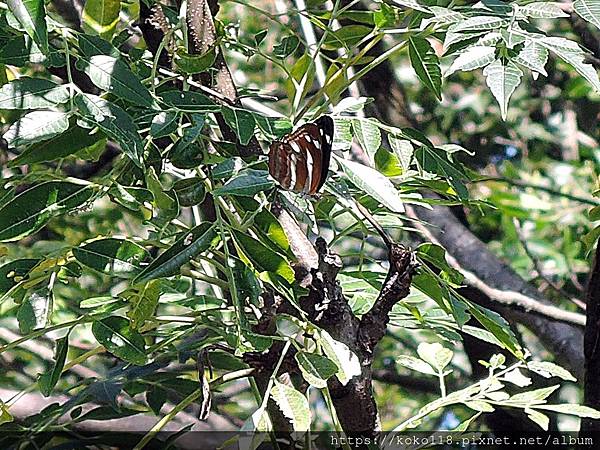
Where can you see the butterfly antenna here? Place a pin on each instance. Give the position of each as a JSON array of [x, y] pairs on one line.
[[386, 237]]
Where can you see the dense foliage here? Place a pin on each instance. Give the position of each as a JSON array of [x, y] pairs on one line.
[[145, 242]]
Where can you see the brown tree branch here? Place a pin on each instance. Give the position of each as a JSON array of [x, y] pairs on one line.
[[591, 347], [355, 403], [485, 272]]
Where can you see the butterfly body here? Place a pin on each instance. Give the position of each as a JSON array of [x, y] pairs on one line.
[[299, 162]]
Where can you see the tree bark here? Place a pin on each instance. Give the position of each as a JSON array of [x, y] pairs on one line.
[[591, 346]]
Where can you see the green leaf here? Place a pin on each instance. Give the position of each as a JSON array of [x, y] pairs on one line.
[[533, 56], [241, 122], [73, 140], [115, 334], [541, 419], [48, 380], [188, 151], [572, 54], [258, 421], [91, 45], [260, 36], [5, 416], [373, 183], [286, 47], [433, 160], [445, 15], [246, 184], [273, 127], [303, 68], [474, 57], [502, 81], [347, 36], [481, 334], [316, 369], [32, 209], [35, 311], [572, 409], [156, 398], [101, 17], [478, 23], [435, 355], [262, 257], [21, 50], [167, 205], [190, 191], [588, 10], [589, 239], [192, 243], [347, 362], [107, 412], [368, 134], [426, 64], [548, 370], [517, 378], [112, 75], [36, 126], [413, 4], [143, 303], [479, 405], [189, 101], [12, 272], [113, 121], [268, 224], [31, 14], [495, 324], [163, 124], [535, 397], [32, 93], [416, 364], [436, 255], [115, 257], [192, 64], [293, 405], [542, 10], [342, 136], [403, 149], [336, 80]]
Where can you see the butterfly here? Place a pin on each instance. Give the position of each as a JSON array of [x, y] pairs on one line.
[[299, 161]]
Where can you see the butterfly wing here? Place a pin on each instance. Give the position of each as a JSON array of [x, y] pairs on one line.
[[326, 130], [300, 161]]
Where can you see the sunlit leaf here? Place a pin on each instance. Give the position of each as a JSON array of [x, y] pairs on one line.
[[373, 183], [293, 405], [32, 93], [502, 80], [31, 14], [101, 17], [589, 10], [316, 369], [36, 126]]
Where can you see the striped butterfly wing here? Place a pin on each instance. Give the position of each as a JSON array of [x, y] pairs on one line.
[[300, 160]]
